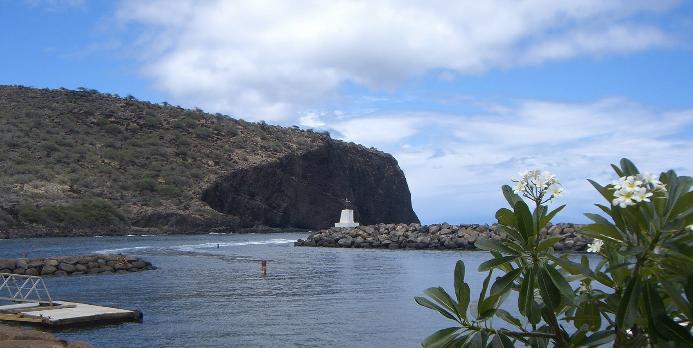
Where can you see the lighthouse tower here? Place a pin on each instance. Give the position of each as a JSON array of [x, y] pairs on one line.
[[346, 219]]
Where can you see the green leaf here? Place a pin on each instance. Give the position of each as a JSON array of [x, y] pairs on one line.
[[618, 171], [561, 283], [505, 315], [440, 338], [628, 308], [548, 242], [587, 315], [512, 232], [599, 338], [602, 190], [526, 295], [422, 301], [506, 217], [492, 244], [495, 262], [546, 219], [688, 287], [501, 341], [683, 206], [548, 291], [484, 287], [570, 266], [462, 290], [666, 328], [440, 296], [510, 196], [602, 232], [676, 297], [628, 167], [525, 223], [475, 341], [504, 283]]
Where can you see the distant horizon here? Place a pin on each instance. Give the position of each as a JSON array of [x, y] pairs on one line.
[[463, 95]]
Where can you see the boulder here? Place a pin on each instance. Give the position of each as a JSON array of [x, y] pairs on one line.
[[345, 242], [31, 272], [21, 263], [48, 269], [52, 262], [7, 264], [66, 267]]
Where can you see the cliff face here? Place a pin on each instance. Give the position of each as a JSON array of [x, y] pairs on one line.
[[308, 190], [83, 163]]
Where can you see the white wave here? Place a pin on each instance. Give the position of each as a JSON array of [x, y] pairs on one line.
[[191, 247], [217, 233], [147, 235], [98, 236], [121, 250]]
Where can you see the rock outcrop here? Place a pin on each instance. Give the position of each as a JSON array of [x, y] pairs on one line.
[[438, 236], [308, 190]]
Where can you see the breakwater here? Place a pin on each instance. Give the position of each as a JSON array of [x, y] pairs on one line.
[[75, 265], [436, 236]]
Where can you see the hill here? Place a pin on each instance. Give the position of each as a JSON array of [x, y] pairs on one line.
[[82, 163]]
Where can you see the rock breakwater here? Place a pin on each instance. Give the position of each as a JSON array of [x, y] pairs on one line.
[[437, 236], [75, 265]]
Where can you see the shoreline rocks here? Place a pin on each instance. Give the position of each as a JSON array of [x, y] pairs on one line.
[[75, 265], [437, 236], [11, 336]]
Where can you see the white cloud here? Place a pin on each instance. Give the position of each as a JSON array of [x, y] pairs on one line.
[[274, 59], [458, 170]]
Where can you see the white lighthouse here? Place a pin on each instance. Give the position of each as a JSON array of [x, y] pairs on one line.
[[346, 219]]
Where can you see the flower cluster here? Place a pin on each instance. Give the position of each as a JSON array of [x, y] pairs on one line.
[[539, 186], [595, 246], [634, 189]]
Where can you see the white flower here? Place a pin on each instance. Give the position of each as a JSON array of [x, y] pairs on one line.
[[631, 184], [649, 178], [623, 198], [555, 190], [690, 227], [596, 246], [641, 195], [520, 187], [537, 185]]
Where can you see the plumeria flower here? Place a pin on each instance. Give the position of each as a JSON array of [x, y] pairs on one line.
[[623, 198], [595, 246], [631, 184], [556, 191], [641, 195], [649, 178]]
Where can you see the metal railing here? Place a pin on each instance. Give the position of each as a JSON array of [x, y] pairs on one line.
[[23, 288]]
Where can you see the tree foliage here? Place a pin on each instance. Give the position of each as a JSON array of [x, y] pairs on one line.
[[645, 242]]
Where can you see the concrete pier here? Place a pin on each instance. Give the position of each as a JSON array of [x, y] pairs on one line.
[[63, 313]]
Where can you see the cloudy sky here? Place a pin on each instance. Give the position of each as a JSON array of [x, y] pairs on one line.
[[464, 94]]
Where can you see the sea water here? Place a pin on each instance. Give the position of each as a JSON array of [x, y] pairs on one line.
[[208, 291]]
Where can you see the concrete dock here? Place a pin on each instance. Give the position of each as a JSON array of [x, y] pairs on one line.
[[63, 313]]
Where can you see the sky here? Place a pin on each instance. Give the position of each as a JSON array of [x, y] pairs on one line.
[[464, 94]]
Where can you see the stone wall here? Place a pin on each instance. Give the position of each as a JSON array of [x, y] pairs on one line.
[[75, 265], [437, 236]]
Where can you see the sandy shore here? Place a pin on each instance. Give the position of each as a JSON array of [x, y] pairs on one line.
[[16, 337]]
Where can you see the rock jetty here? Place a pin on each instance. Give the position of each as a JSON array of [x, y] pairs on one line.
[[437, 236], [75, 265]]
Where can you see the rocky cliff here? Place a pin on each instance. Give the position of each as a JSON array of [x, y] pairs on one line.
[[308, 190], [83, 162]]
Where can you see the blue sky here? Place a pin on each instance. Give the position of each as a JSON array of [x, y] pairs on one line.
[[464, 94]]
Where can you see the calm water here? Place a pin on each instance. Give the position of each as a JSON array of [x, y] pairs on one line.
[[204, 296]]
